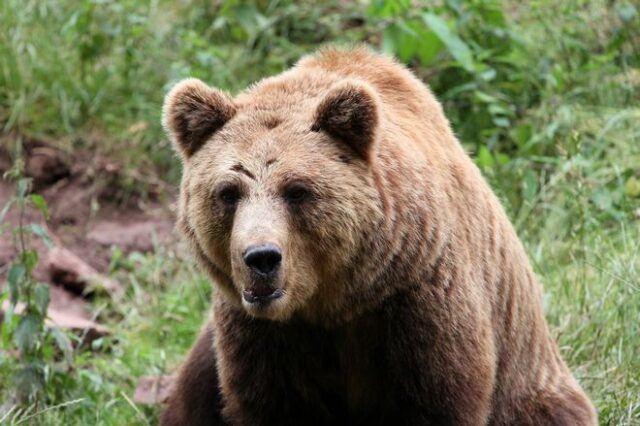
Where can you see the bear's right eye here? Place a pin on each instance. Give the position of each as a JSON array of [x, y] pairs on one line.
[[229, 195]]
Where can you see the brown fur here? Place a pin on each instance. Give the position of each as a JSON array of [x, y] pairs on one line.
[[407, 296], [198, 379]]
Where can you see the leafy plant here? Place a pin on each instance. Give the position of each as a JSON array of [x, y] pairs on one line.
[[26, 300]]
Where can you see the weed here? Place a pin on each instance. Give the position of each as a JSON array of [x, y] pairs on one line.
[[23, 322]]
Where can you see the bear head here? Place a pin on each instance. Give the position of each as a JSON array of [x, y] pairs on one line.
[[278, 195]]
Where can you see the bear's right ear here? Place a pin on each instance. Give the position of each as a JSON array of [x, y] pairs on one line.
[[192, 112]]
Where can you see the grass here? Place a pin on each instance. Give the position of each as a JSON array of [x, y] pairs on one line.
[[92, 75], [589, 262], [153, 327]]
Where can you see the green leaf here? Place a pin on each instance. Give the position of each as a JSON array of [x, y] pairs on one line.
[[501, 121], [40, 204], [27, 333], [246, 17], [484, 158], [491, 12], [23, 187], [16, 275], [388, 8], [429, 46], [523, 134], [502, 158], [458, 49], [41, 298], [5, 209], [400, 40], [602, 199], [97, 344], [632, 187], [389, 40], [40, 232], [485, 97], [488, 74], [63, 342], [9, 323], [30, 260]]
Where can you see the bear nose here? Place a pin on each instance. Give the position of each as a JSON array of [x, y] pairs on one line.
[[263, 259]]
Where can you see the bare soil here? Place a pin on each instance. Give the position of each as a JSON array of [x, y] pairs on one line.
[[88, 217]]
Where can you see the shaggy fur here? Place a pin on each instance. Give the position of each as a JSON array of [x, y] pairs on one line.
[[407, 297]]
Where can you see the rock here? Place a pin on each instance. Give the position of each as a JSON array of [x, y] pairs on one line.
[[65, 301], [89, 330], [153, 389], [139, 236], [68, 270]]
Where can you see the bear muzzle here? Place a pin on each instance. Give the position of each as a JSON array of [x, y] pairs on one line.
[[263, 260], [264, 263]]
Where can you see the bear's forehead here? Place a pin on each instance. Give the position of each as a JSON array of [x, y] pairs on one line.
[[260, 138], [255, 129], [282, 107], [290, 93]]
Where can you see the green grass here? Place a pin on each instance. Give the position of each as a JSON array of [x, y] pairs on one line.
[[555, 127], [152, 327]]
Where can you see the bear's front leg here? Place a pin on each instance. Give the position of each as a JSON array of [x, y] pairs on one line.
[[195, 399], [267, 371], [441, 359]]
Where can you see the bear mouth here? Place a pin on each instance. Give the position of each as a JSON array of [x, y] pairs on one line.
[[261, 294]]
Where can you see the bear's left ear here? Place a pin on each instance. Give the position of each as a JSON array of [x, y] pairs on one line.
[[193, 112], [350, 113]]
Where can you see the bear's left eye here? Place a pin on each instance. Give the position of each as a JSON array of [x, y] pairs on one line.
[[297, 194]]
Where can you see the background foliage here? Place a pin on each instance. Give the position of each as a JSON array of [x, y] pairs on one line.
[[544, 94]]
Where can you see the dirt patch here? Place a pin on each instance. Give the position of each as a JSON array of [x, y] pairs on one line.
[[131, 233], [87, 219]]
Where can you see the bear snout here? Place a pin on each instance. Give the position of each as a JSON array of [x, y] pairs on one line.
[[263, 260]]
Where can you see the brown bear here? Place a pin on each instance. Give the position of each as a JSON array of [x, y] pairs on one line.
[[365, 273]]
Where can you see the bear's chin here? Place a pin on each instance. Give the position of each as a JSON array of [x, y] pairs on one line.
[[276, 309]]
